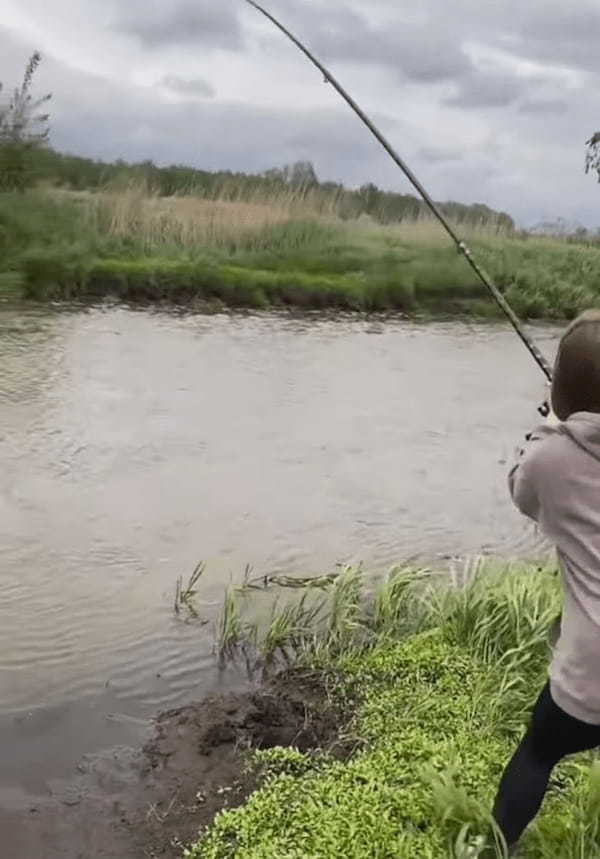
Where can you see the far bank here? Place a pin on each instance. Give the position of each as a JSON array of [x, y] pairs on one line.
[[137, 248]]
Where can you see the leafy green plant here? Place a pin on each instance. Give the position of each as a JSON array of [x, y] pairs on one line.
[[441, 678]]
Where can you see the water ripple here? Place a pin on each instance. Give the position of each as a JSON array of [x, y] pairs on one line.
[[132, 444]]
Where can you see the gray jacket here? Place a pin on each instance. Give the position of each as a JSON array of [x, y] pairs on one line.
[[556, 482]]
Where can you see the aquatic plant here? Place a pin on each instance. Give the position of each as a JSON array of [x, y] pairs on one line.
[[232, 632], [184, 595]]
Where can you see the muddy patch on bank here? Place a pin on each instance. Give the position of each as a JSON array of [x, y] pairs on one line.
[[151, 802]]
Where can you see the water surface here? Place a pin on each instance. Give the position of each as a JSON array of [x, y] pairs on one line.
[[133, 444]]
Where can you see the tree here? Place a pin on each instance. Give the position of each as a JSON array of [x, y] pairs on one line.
[[302, 175], [592, 156], [275, 175], [23, 130]]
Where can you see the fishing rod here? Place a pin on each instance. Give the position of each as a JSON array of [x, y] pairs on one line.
[[460, 244]]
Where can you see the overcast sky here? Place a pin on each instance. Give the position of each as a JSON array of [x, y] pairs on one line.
[[488, 101]]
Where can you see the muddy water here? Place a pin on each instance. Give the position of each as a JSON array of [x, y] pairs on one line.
[[133, 444]]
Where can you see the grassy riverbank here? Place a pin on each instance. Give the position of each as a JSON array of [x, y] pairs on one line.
[[439, 682], [269, 253]]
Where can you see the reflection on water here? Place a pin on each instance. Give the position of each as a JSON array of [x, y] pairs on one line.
[[133, 444]]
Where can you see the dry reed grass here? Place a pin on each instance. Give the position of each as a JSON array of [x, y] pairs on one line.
[[194, 221], [191, 221], [426, 231]]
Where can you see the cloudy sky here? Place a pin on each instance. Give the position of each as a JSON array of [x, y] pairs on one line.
[[488, 101]]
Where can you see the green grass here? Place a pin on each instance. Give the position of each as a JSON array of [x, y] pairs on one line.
[[11, 286], [79, 248], [440, 680]]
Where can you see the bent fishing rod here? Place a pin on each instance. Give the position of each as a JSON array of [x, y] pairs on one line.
[[460, 244]]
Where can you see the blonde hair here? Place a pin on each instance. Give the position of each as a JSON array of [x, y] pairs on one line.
[[576, 378]]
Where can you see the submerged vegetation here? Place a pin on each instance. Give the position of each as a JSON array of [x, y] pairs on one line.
[[286, 250], [439, 680]]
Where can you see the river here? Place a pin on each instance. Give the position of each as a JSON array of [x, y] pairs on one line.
[[135, 443]]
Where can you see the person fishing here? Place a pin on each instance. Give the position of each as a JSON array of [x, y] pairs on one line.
[[556, 482]]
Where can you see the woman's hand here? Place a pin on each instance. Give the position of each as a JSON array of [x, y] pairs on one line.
[[546, 410]]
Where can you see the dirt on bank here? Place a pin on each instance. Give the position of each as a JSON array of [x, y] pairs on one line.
[[150, 802]]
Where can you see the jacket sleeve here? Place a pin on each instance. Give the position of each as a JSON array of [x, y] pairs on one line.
[[523, 478]]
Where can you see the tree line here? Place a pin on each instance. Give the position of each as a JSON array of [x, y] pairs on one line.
[[26, 159], [300, 179]]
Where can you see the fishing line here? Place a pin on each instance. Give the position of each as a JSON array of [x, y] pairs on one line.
[[460, 244]]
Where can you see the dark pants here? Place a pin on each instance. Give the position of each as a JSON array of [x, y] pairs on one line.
[[552, 734]]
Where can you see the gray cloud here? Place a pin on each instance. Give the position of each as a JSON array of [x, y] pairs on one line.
[[429, 47], [194, 87], [552, 32], [425, 43], [411, 50], [435, 61], [438, 155], [485, 89], [544, 105], [563, 34], [95, 118], [202, 22]]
